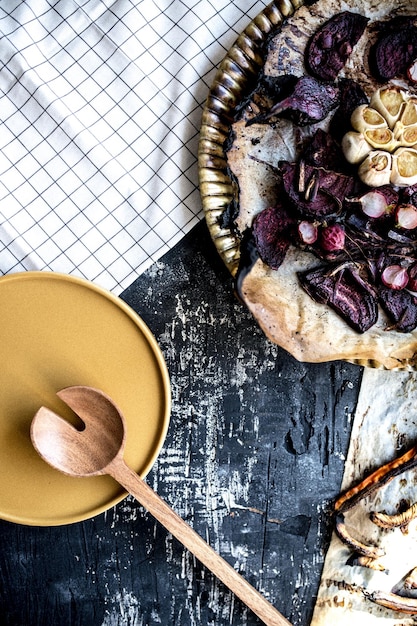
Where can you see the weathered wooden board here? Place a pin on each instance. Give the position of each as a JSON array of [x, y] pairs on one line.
[[253, 458]]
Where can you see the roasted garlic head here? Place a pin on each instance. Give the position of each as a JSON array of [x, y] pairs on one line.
[[383, 142]]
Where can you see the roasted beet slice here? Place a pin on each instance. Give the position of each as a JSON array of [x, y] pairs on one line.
[[314, 191], [324, 151], [410, 194], [331, 45], [338, 289], [351, 96], [268, 91], [401, 308], [277, 88], [273, 230], [310, 102], [395, 49]]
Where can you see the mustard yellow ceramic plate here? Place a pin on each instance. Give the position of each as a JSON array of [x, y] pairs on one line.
[[58, 331]]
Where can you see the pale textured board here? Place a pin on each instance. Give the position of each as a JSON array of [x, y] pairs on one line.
[[384, 428]]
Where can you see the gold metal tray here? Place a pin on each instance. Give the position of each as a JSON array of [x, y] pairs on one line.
[[233, 80]]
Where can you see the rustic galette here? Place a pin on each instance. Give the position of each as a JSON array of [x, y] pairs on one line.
[[324, 155]]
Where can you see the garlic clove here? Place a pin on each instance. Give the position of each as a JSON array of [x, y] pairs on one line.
[[375, 169], [404, 167], [409, 137], [365, 117], [382, 138], [389, 102], [405, 135], [355, 147], [409, 112], [405, 129]]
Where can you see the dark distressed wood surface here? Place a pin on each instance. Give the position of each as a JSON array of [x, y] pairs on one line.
[[253, 458]]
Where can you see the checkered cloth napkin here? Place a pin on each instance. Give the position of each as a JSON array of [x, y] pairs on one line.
[[100, 109]]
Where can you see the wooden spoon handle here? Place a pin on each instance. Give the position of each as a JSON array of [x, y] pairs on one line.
[[134, 484]]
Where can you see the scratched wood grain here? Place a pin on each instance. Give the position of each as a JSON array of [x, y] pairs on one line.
[[253, 458]]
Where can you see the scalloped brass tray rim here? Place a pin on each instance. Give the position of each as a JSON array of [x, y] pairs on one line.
[[217, 190]]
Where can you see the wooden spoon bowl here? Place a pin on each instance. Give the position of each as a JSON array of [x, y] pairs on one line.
[[80, 452]]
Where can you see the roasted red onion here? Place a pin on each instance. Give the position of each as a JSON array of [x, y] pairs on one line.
[[332, 238], [373, 204], [406, 216], [395, 277], [308, 232]]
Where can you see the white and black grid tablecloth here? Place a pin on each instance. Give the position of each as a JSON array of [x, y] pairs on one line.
[[100, 110]]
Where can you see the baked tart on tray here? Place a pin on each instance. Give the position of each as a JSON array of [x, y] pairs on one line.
[[308, 177]]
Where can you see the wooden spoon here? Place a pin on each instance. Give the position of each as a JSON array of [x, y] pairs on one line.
[[98, 449]]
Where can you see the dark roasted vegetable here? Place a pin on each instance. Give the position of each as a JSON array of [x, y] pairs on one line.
[[310, 102], [395, 49], [410, 194], [273, 230], [367, 487], [275, 88], [331, 45], [374, 481], [412, 277], [314, 191], [397, 520], [358, 547], [338, 289], [268, 91], [332, 238], [351, 96], [393, 601], [401, 307], [324, 151]]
